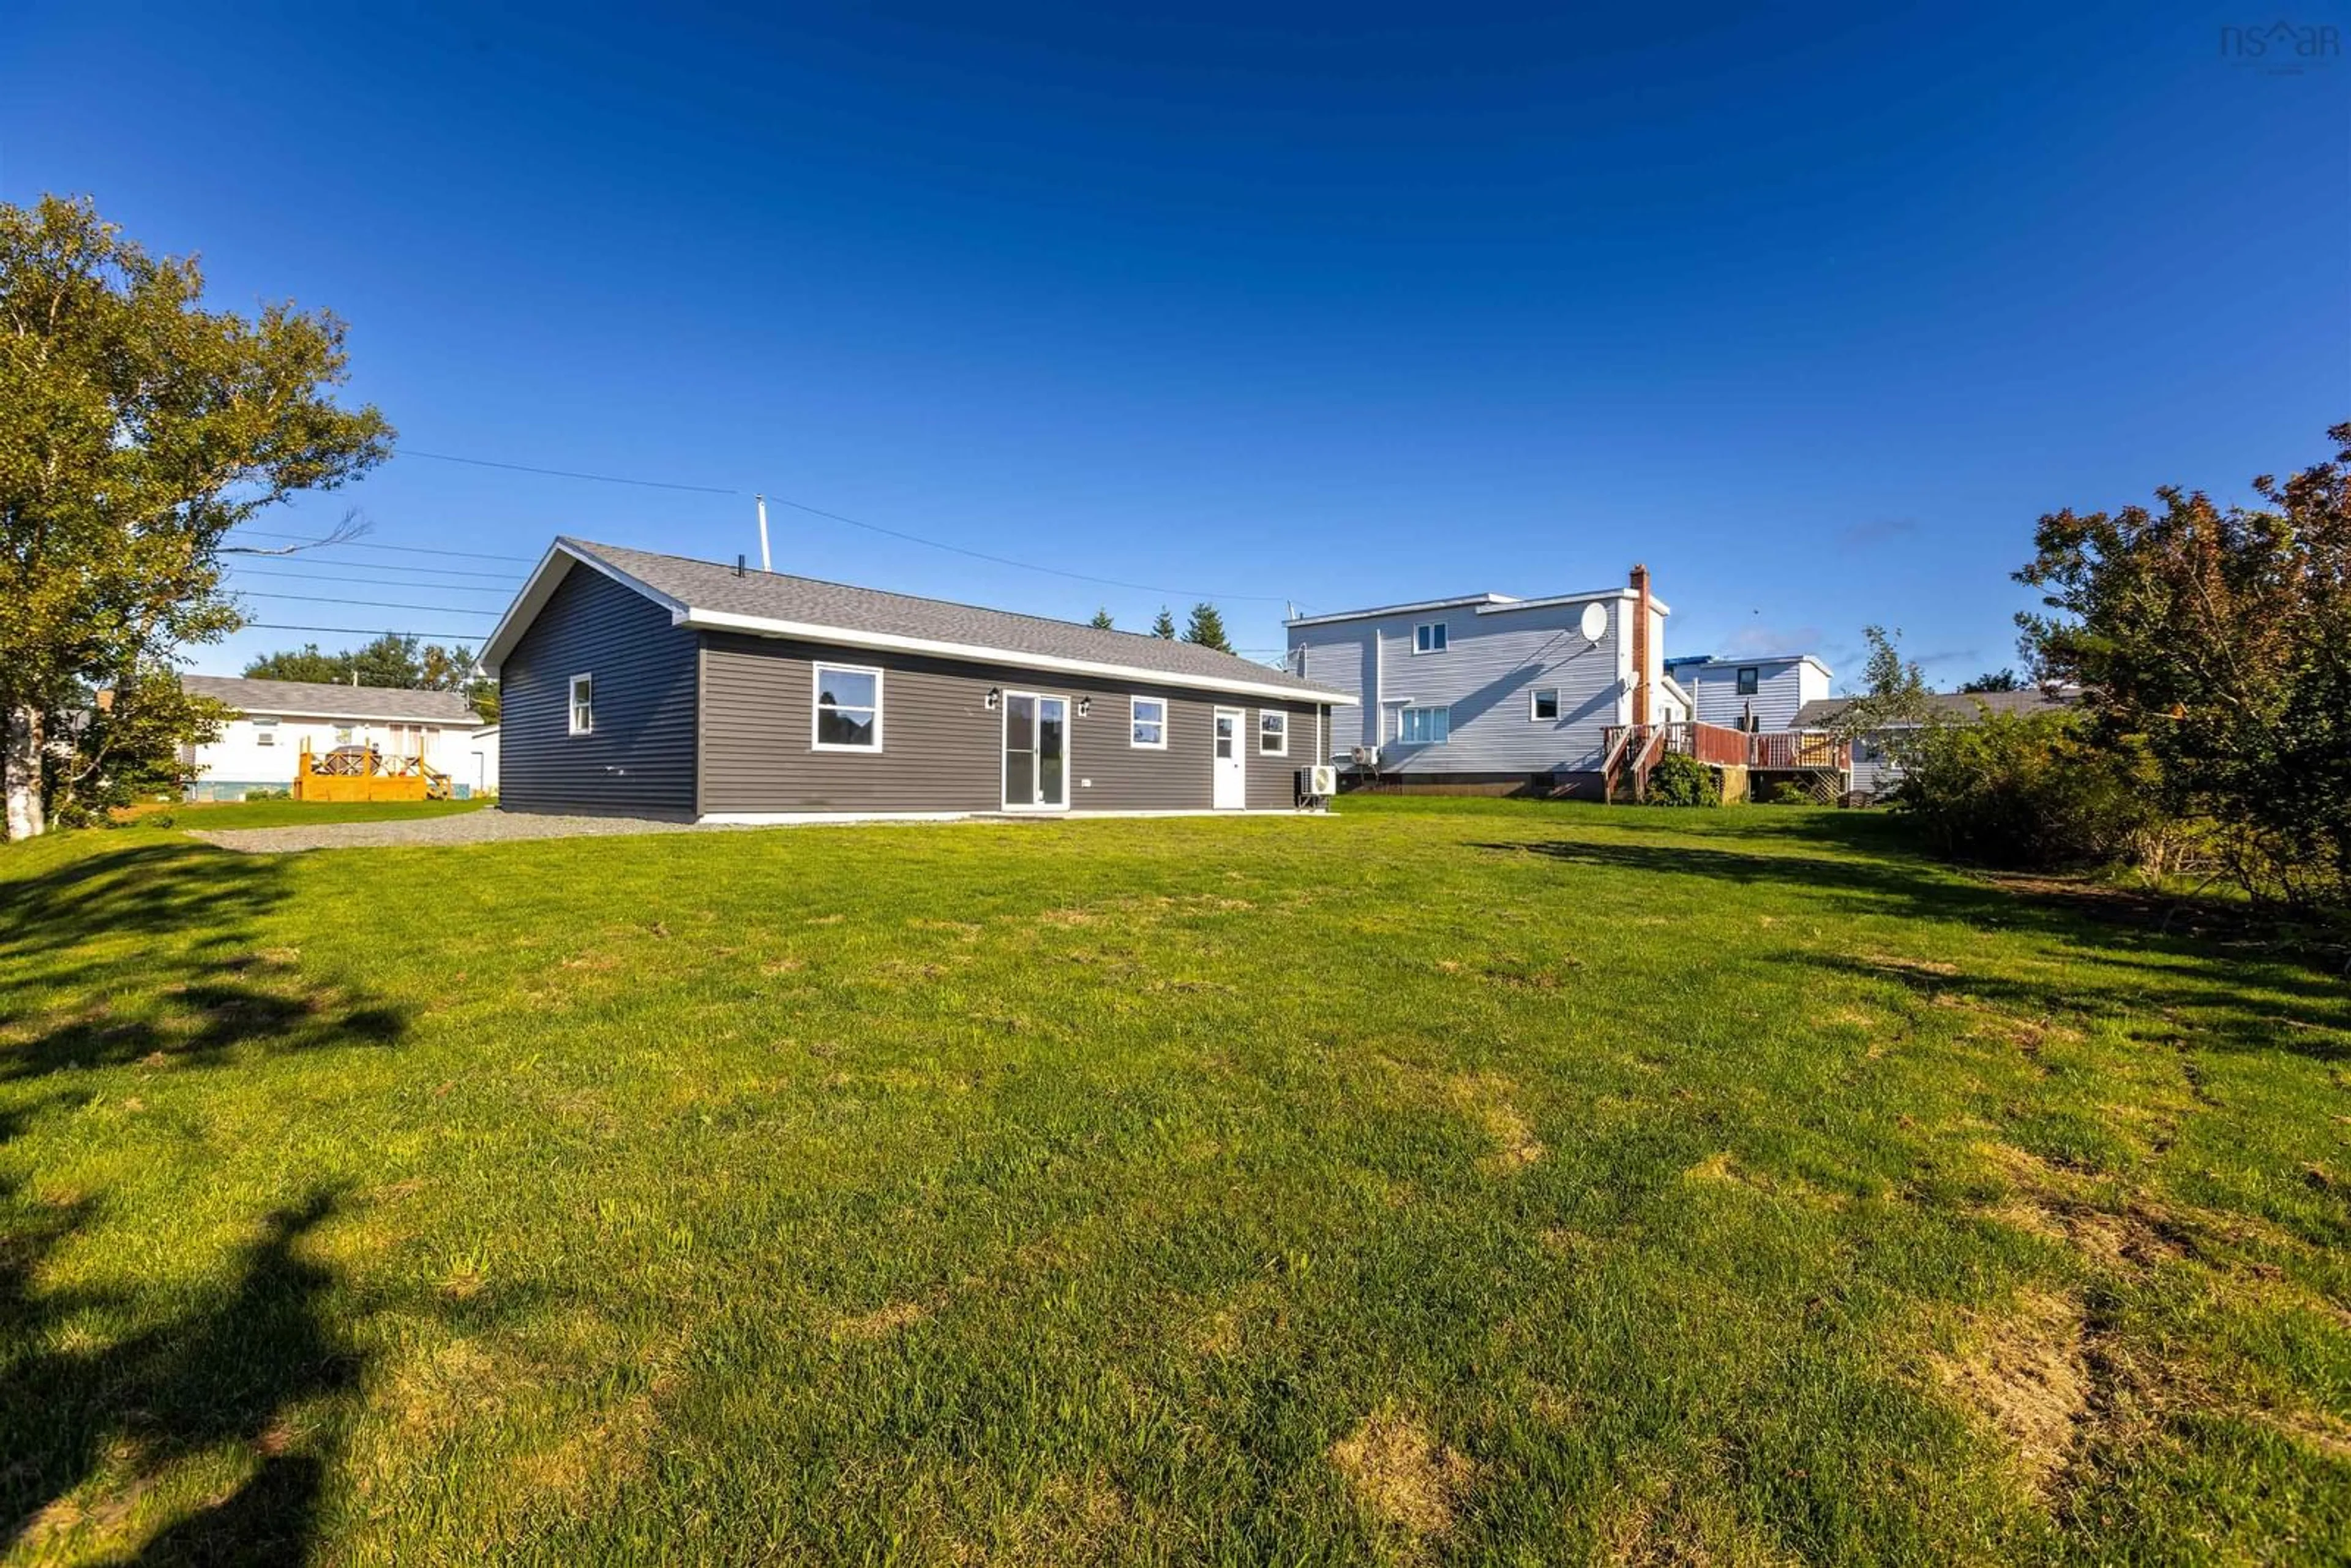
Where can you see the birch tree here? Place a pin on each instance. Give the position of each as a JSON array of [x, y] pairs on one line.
[[137, 428]]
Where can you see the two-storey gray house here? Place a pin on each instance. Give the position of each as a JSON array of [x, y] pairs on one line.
[[658, 685], [1751, 692], [1486, 694]]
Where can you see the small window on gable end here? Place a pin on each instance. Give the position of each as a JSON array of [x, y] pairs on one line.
[[583, 704], [1545, 705], [1428, 637], [1749, 677], [1146, 721], [1272, 733], [265, 732]]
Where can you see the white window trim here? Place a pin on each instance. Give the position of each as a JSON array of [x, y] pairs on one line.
[[1263, 749], [816, 707], [571, 704], [1534, 717], [265, 732], [1131, 720], [1439, 643], [1402, 721]]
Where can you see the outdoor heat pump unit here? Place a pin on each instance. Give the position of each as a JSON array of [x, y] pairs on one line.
[[1316, 785], [1364, 756]]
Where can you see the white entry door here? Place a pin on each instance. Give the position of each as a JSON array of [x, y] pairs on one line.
[[1232, 763]]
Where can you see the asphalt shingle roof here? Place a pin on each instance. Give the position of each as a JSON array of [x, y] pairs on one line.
[[775, 596], [327, 699], [1821, 712]]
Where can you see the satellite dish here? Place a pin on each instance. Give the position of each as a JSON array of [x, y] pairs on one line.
[[1596, 623]]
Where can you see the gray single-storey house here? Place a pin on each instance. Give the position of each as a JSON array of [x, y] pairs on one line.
[[659, 686]]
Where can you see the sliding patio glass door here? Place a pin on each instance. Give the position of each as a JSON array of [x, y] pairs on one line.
[[1036, 752]]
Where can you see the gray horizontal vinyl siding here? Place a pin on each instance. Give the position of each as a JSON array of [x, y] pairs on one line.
[[1779, 693], [1491, 666], [942, 747], [640, 759]]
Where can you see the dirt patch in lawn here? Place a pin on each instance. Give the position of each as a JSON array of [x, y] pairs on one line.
[[1487, 1098], [882, 1321], [1401, 1475], [2025, 1374]]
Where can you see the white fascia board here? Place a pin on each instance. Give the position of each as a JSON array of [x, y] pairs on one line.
[[1553, 601], [850, 637], [328, 716], [545, 578], [1423, 606]]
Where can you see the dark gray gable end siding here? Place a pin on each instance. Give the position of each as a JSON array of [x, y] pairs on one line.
[[942, 748], [641, 760]]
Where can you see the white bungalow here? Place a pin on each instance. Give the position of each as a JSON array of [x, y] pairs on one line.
[[259, 749]]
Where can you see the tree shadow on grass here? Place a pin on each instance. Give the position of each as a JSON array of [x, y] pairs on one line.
[[243, 1370], [170, 927], [146, 955], [2122, 959]]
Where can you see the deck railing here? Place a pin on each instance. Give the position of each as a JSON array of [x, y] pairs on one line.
[[1635, 747]]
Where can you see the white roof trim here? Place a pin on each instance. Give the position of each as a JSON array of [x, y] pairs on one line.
[[1464, 602], [1598, 595], [550, 572], [342, 716], [559, 559], [849, 637], [1478, 603], [1735, 661]]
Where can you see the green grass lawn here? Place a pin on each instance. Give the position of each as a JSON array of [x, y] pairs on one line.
[[1439, 1181]]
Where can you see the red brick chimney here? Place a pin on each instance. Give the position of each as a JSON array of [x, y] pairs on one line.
[[1640, 644]]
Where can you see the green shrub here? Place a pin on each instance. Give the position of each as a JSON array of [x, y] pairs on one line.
[[269, 794], [2024, 792], [1679, 780], [1786, 794]]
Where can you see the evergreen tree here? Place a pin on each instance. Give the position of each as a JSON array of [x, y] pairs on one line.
[[1165, 627], [1102, 620], [1207, 628]]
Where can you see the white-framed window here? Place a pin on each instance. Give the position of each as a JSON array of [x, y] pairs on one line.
[[1425, 725], [583, 704], [265, 732], [1272, 733], [1146, 723], [1542, 705], [1428, 637], [343, 733], [848, 708]]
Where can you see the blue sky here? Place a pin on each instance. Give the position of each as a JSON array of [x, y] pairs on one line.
[[1341, 306]]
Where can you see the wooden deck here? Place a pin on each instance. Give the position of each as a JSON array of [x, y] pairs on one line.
[[353, 773], [1631, 751]]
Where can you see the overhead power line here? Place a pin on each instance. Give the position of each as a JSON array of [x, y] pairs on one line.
[[383, 582], [405, 549], [370, 603], [473, 636], [839, 518], [570, 474]]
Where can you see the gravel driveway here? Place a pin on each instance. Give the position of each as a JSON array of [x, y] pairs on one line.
[[488, 826]]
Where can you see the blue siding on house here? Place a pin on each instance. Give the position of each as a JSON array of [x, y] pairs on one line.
[[641, 760], [1495, 659]]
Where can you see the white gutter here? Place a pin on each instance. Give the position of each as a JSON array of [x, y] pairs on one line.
[[850, 637]]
